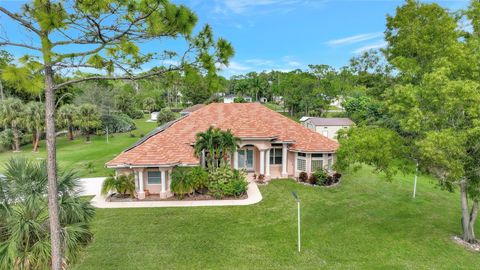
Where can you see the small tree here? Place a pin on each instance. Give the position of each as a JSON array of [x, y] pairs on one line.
[[149, 104], [165, 115], [88, 119], [182, 183], [34, 121], [11, 115], [66, 118]]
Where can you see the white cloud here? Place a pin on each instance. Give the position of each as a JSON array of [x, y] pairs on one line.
[[377, 45], [354, 39], [291, 62], [259, 62], [244, 6]]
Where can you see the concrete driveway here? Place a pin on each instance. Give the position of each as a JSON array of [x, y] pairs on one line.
[[91, 186]]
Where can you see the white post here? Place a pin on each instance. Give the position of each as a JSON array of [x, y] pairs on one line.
[[415, 181], [284, 160], [137, 188], [141, 192], [235, 160], [267, 161], [262, 161], [163, 181], [298, 205]]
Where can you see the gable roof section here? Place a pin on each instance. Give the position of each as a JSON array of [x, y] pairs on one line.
[[172, 142], [318, 121]]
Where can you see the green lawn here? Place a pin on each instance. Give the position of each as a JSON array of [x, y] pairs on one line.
[[74, 154], [366, 223]]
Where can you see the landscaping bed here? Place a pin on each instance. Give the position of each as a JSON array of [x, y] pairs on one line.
[[321, 178], [153, 198]]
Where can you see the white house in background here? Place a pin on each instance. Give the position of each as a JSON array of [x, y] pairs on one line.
[[231, 98], [338, 103], [328, 127], [154, 116]]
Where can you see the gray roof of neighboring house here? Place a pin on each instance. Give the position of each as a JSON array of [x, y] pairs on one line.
[[192, 108], [318, 121]]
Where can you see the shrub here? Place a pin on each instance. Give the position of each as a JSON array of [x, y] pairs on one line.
[[165, 115], [141, 135], [182, 183], [199, 178], [336, 177], [261, 178], [329, 180], [226, 181], [135, 114], [312, 179], [123, 184], [303, 177], [132, 135], [321, 176]]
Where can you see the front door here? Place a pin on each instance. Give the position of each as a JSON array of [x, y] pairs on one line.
[[245, 159]]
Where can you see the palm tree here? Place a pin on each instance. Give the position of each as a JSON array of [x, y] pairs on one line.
[[87, 119], [123, 184], [11, 112], [24, 220], [65, 117], [34, 121], [216, 145]]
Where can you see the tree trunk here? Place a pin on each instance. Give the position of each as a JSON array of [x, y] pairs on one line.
[[16, 138], [55, 230], [87, 136], [2, 96], [473, 218], [468, 235], [36, 141], [70, 133]]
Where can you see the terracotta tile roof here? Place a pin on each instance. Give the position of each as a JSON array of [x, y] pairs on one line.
[[173, 144]]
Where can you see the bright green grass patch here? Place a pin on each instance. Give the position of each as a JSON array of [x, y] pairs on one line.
[[75, 154], [365, 223]]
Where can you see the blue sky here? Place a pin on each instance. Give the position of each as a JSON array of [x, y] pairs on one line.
[[290, 34]]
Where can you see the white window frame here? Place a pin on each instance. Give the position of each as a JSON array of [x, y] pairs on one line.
[[312, 158], [154, 184], [297, 158], [273, 153]]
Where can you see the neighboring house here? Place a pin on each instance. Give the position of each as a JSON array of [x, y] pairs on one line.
[[338, 103], [328, 127], [270, 144], [231, 98], [154, 116], [191, 109]]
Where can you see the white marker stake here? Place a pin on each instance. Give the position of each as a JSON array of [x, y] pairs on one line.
[[298, 216], [415, 181]]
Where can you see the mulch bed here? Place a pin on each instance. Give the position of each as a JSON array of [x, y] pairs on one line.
[[473, 247], [329, 186]]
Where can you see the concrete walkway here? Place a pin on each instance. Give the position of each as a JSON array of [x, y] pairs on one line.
[[92, 187]]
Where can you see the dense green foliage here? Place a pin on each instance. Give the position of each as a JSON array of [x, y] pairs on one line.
[[215, 146], [123, 184], [25, 237], [165, 115], [225, 181], [182, 184]]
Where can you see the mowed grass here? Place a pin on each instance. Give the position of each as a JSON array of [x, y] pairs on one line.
[[75, 154], [365, 223]]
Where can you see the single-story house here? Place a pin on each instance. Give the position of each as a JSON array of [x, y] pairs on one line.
[[191, 109], [231, 98], [328, 127], [270, 144]]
